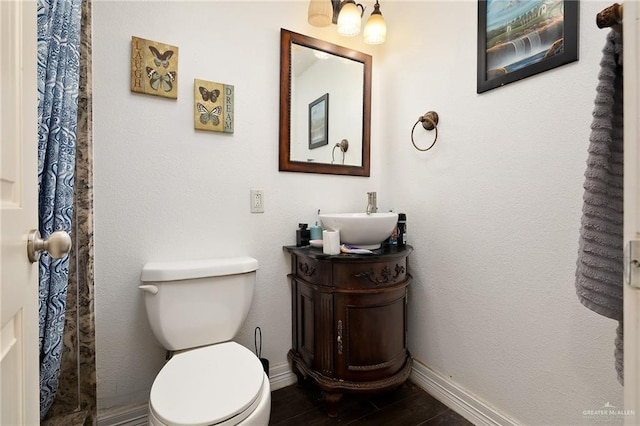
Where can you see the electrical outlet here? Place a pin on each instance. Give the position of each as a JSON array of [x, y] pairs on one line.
[[257, 200]]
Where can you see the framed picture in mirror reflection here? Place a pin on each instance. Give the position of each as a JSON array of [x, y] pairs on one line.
[[319, 122]]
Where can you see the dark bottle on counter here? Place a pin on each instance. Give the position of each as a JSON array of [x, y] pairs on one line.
[[303, 235], [402, 230]]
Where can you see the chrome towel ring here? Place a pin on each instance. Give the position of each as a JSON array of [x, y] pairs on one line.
[[429, 121]]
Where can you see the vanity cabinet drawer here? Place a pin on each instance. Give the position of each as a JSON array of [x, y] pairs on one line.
[[368, 275], [312, 270]]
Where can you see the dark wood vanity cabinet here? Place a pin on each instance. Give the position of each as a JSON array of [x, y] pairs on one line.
[[349, 316]]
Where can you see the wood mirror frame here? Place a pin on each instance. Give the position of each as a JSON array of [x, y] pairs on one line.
[[287, 38]]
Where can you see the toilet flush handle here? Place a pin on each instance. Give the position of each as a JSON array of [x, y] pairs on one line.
[[149, 288]]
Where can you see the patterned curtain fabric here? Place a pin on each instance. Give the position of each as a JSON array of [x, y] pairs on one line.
[[58, 75], [75, 401]]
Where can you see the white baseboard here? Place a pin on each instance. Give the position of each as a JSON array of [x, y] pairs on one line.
[[128, 415], [458, 399], [280, 376]]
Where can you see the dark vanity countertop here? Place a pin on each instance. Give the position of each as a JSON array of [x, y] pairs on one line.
[[378, 254]]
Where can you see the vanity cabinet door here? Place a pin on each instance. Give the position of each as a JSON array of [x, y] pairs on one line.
[[370, 334]]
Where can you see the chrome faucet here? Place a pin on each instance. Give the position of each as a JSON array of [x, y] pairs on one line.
[[372, 203]]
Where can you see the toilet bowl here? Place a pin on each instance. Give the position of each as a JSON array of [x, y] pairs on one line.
[[222, 384], [194, 309]]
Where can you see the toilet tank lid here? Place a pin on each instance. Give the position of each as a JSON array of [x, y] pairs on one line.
[[202, 268]]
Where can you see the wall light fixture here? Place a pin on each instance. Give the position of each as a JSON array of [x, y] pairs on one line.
[[347, 15]]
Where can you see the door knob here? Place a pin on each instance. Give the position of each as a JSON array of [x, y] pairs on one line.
[[58, 245]]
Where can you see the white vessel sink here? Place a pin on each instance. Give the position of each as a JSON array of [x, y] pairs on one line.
[[360, 229]]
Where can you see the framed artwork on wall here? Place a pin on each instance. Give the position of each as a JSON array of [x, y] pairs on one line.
[[319, 122], [213, 106], [154, 68], [520, 39]]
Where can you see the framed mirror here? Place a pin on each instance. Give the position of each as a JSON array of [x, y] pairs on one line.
[[325, 100]]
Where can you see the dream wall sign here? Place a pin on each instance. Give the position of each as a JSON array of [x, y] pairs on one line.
[[154, 68], [213, 106]]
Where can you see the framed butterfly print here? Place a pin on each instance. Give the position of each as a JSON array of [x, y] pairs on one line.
[[154, 68], [213, 106]]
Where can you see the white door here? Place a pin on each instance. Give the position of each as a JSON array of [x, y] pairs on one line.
[[19, 371], [631, 211]]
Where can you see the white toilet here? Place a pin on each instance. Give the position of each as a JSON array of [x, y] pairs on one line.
[[195, 308]]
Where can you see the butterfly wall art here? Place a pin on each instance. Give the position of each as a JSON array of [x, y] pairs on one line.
[[154, 68], [213, 106]]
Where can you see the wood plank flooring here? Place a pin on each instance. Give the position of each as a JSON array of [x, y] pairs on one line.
[[406, 406]]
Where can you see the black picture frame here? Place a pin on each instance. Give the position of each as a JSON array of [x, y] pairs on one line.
[[555, 21], [319, 122]]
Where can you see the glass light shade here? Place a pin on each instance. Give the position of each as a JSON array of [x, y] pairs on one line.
[[320, 13], [375, 30], [349, 20]]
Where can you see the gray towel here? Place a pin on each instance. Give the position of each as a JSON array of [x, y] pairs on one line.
[[599, 266], [619, 352]]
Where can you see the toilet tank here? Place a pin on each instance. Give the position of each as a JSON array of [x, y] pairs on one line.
[[198, 302]]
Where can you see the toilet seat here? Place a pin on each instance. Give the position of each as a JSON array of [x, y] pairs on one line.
[[211, 385]]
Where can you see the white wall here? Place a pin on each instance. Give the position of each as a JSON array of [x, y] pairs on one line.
[[164, 191], [493, 210], [345, 107]]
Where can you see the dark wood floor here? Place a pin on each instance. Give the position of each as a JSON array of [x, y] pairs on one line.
[[406, 406]]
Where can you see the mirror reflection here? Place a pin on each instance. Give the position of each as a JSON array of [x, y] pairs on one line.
[[325, 107]]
